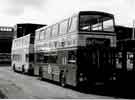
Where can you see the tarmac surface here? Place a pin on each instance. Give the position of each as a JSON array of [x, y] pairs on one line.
[[19, 86]]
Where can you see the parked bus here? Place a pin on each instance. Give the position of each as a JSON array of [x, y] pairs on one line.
[[22, 54], [125, 63], [77, 50]]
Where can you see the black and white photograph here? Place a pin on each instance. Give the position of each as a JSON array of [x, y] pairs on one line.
[[67, 49]]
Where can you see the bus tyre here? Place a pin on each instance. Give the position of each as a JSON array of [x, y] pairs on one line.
[[14, 68], [40, 73], [62, 80], [23, 70], [31, 70]]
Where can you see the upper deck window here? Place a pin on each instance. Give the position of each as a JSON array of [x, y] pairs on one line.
[[55, 30], [41, 35], [96, 22], [37, 35], [73, 24], [48, 32], [63, 27]]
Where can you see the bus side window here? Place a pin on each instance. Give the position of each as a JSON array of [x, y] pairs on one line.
[[72, 57], [45, 59], [40, 57], [14, 57], [64, 60], [130, 57], [31, 57], [27, 57], [52, 59], [119, 60], [73, 24]]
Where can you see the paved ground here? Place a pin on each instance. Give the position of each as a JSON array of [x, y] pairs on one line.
[[18, 86]]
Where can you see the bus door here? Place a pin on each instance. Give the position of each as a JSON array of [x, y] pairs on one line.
[[68, 66], [89, 63], [125, 70], [129, 76], [105, 63], [124, 63], [130, 57]]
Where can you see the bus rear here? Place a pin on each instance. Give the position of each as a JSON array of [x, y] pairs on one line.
[[22, 54]]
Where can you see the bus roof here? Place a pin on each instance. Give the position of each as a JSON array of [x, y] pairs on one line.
[[22, 37], [81, 13], [95, 13]]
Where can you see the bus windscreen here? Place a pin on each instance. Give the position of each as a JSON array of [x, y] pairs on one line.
[[96, 23]]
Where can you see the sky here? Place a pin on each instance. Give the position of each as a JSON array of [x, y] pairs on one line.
[[52, 11]]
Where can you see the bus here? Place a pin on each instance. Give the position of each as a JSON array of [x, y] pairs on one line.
[[22, 54], [77, 51], [125, 63]]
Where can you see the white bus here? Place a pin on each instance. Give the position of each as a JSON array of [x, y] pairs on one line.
[[22, 54]]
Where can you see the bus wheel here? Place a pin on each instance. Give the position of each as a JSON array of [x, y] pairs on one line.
[[40, 73], [23, 70], [62, 80], [14, 68], [31, 70]]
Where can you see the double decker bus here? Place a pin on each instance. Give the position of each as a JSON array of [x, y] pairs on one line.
[[78, 50], [22, 54]]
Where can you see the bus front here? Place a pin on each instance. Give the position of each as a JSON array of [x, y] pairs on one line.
[[97, 41]]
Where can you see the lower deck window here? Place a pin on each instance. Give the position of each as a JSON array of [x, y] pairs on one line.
[[46, 58], [71, 57], [52, 59], [16, 57]]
